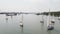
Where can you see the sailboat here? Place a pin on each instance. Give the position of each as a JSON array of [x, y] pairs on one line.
[[21, 22], [42, 20], [49, 24], [53, 20]]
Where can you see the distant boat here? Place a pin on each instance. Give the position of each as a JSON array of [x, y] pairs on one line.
[[21, 24], [6, 18], [52, 21], [58, 18], [42, 20]]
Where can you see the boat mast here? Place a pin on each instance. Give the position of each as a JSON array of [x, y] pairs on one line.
[[42, 18], [49, 17], [22, 18], [48, 22], [21, 23]]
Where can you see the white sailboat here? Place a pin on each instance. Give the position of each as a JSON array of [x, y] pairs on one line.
[[53, 20], [49, 24], [21, 22], [42, 21]]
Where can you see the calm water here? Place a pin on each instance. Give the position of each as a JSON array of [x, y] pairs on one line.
[[31, 24]]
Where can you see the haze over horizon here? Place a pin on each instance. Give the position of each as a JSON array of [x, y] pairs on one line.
[[29, 5]]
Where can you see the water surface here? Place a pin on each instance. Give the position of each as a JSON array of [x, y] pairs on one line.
[[31, 24]]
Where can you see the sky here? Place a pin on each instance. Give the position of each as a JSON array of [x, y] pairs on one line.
[[29, 5]]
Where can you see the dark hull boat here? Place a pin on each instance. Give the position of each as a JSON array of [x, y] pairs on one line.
[[21, 24], [41, 21], [52, 22], [50, 27]]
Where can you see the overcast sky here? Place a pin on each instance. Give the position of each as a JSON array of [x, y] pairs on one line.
[[29, 5]]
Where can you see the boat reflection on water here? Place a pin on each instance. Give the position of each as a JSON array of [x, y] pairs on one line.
[[42, 28], [49, 32], [21, 30], [6, 20]]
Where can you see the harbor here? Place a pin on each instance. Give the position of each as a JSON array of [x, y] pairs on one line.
[[31, 25], [29, 16]]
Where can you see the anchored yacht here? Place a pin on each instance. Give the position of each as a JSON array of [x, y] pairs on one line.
[[21, 22], [50, 23]]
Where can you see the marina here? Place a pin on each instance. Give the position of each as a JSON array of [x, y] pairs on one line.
[[29, 16], [31, 24]]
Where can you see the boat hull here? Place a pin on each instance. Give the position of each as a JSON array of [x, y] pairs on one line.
[[50, 28]]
